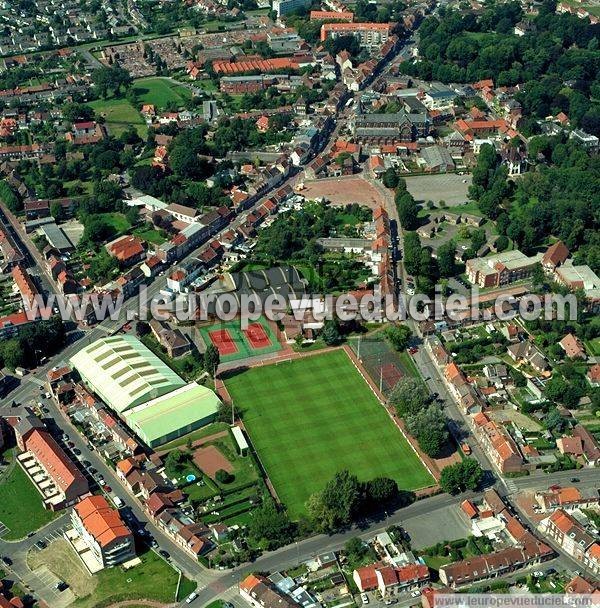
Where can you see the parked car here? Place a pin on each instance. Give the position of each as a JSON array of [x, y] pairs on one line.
[[415, 593], [365, 598], [191, 597], [41, 544], [575, 479], [165, 554]]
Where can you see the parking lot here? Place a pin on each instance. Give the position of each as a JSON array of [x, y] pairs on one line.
[[443, 524], [448, 187], [42, 541]]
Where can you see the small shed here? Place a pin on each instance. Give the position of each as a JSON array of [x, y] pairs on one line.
[[240, 440]]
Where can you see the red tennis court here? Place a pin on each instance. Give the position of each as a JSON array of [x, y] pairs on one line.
[[390, 374], [222, 339], [257, 336]]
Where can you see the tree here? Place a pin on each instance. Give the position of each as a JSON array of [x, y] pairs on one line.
[[446, 259], [97, 230], [407, 210], [331, 333], [398, 335], [223, 476], [408, 396], [554, 421], [390, 178], [412, 252], [212, 358], [355, 549], [428, 425], [270, 526], [56, 211], [381, 491], [111, 79], [462, 476], [175, 460], [337, 504], [142, 328]]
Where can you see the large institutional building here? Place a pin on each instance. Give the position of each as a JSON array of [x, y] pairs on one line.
[[149, 396]]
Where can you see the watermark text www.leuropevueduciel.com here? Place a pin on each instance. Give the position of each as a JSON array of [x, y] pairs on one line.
[[368, 307], [515, 600]]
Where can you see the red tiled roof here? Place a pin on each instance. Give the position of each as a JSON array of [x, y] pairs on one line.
[[101, 521], [58, 465]]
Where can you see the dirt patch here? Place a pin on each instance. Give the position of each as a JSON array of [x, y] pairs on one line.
[[60, 558], [210, 460], [343, 191], [525, 502]]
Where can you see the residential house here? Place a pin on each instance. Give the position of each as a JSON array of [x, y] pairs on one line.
[[527, 352], [555, 255], [494, 565], [389, 580], [128, 250], [260, 592], [591, 449], [593, 375], [568, 499], [173, 340], [573, 347]]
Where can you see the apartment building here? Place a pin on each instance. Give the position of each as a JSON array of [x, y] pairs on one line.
[[498, 444], [574, 539], [501, 269], [103, 531], [54, 474], [369, 34]]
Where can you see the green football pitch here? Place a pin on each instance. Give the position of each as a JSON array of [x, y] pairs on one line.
[[312, 417]]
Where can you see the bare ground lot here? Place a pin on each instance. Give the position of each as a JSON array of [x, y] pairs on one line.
[[447, 187], [344, 190]]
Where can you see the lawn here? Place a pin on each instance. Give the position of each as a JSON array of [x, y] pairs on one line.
[[21, 509], [152, 579], [160, 92], [150, 235], [313, 417], [119, 114], [117, 220], [593, 346]]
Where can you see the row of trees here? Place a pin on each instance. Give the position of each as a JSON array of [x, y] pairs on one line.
[[424, 418], [344, 499]]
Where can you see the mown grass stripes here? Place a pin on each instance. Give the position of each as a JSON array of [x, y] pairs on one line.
[[312, 417]]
